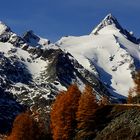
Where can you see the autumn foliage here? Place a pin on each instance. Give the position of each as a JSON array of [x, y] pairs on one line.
[[63, 114], [72, 117], [137, 83], [130, 96], [134, 93], [24, 128], [104, 101], [57, 123], [85, 114]]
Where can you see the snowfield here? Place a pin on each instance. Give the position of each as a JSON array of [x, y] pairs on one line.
[[108, 53]]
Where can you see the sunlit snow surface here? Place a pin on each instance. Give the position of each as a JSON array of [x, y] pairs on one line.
[[35, 67], [3, 27], [112, 54]]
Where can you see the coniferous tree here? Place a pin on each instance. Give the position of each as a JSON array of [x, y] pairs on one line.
[[85, 114], [24, 128], [63, 114], [130, 97], [137, 83], [134, 93], [104, 101], [57, 116]]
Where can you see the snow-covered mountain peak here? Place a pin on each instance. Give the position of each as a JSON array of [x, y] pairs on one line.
[[3, 28], [35, 40], [110, 23], [110, 51], [108, 20]]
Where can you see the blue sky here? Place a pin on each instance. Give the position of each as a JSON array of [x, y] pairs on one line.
[[53, 19]]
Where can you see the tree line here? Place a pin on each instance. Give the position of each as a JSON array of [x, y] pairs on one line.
[[72, 116]]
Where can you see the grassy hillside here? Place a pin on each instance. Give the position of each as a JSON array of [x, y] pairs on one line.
[[118, 122]]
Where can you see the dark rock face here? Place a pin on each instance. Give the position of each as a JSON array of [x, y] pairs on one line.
[[31, 38], [60, 67], [14, 70], [30, 35], [16, 41], [35, 51], [65, 69], [9, 109], [12, 38], [4, 37], [129, 36]]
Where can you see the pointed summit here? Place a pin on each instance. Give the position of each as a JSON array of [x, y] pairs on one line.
[[108, 20], [111, 20], [4, 28], [35, 40]]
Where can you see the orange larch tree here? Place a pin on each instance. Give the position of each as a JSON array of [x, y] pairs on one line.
[[104, 101], [57, 116], [137, 83], [85, 114], [63, 114], [24, 128], [134, 93], [130, 96]]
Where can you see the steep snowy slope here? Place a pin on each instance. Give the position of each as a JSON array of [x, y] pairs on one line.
[[35, 74], [109, 51]]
